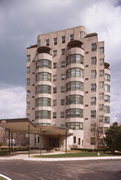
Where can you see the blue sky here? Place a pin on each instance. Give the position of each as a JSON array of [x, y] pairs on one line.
[[22, 21]]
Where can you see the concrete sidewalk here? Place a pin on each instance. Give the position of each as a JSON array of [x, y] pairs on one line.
[[26, 158]]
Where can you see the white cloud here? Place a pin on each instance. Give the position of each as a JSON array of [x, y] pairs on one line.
[[12, 102]]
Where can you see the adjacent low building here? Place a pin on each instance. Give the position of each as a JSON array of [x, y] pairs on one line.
[[68, 86]]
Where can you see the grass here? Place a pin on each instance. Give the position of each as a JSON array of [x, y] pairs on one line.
[[78, 154], [2, 178], [3, 152]]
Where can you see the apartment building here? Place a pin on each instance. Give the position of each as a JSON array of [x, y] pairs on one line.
[[68, 86]]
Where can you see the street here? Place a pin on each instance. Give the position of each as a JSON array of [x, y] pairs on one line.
[[62, 170]]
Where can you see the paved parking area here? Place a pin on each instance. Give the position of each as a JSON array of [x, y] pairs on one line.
[[62, 170]]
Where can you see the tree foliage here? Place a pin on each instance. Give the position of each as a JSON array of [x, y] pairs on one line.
[[112, 138]]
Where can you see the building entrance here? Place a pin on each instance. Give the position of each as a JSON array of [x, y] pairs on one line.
[[54, 141]]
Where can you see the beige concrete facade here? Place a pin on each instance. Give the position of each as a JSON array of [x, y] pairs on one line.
[[68, 85]]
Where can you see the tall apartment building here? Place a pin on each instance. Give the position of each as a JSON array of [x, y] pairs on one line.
[[68, 85]]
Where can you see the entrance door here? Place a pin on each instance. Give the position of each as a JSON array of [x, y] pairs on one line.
[[54, 142]]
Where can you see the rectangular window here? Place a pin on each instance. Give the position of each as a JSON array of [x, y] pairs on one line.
[[93, 74], [94, 47], [54, 102], [54, 53], [107, 109], [28, 81], [101, 96], [74, 139], [101, 84], [63, 39], [101, 73], [93, 100], [101, 61], [55, 41], [93, 114], [63, 63], [54, 77], [93, 87], [62, 114], [28, 70], [107, 77], [71, 37], [93, 60], [28, 58], [93, 127], [107, 88], [55, 90], [62, 101], [63, 76], [54, 115], [101, 118], [47, 42], [92, 140], [101, 107], [101, 50], [79, 141], [62, 89], [62, 51], [54, 65]]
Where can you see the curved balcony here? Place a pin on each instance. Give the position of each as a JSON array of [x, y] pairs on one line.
[[75, 43], [43, 49]]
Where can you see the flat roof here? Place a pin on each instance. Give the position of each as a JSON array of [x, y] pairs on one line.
[[24, 125]]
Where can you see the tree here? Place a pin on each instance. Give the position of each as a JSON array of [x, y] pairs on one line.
[[112, 138]]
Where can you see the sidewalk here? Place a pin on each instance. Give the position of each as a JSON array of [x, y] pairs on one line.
[[26, 158]]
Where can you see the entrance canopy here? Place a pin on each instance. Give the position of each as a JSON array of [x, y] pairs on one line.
[[25, 125]]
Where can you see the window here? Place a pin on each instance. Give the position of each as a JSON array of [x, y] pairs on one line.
[[107, 88], [28, 70], [63, 39], [107, 109], [106, 120], [54, 102], [54, 77], [43, 101], [101, 73], [62, 101], [107, 77], [28, 58], [101, 96], [54, 115], [101, 50], [93, 100], [74, 125], [71, 37], [43, 76], [107, 98], [93, 60], [47, 42], [74, 72], [62, 51], [92, 140], [62, 89], [55, 41], [101, 84], [101, 61], [74, 112], [74, 58], [54, 53], [93, 87], [79, 141], [63, 76], [74, 85], [101, 107], [43, 114], [74, 139], [63, 63], [93, 127], [93, 114], [93, 74], [28, 82], [54, 65], [62, 114], [42, 63], [43, 89], [28, 93], [55, 90], [74, 99], [94, 47], [101, 118]]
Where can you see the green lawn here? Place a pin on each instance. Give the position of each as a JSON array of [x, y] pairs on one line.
[[78, 154], [2, 178]]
